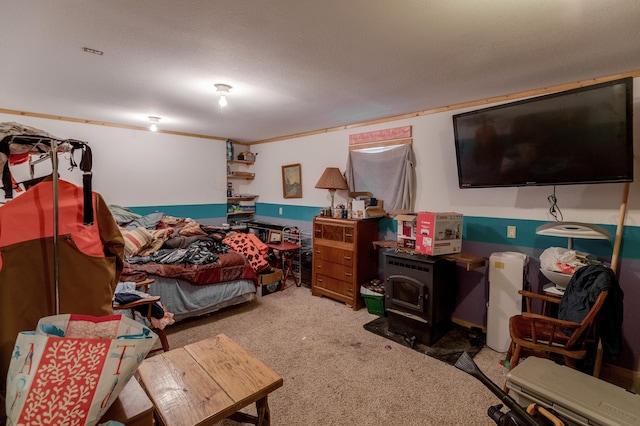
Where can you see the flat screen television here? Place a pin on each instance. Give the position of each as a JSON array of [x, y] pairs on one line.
[[579, 136]]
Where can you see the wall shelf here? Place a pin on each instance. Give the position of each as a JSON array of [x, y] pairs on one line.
[[248, 163], [233, 175], [242, 198], [240, 205], [242, 212]]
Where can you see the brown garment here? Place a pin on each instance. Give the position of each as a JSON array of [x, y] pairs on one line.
[[27, 285]]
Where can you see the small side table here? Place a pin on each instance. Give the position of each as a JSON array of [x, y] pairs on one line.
[[207, 381], [286, 250], [132, 407]]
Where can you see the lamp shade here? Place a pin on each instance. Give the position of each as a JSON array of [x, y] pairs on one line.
[[332, 179]]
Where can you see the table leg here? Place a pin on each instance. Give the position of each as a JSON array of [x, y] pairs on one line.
[[264, 415], [289, 268], [262, 419]]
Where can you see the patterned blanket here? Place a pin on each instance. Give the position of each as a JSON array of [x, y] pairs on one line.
[[229, 266]]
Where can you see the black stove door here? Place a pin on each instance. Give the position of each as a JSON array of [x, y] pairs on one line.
[[403, 292]]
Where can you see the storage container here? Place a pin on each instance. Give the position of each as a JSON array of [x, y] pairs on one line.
[[374, 301]]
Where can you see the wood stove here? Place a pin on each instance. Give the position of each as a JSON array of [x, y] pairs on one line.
[[419, 295]]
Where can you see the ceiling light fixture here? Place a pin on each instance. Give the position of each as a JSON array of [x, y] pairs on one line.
[[154, 123], [93, 51], [223, 90]]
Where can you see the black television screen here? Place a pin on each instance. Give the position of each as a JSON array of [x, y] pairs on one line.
[[578, 136]]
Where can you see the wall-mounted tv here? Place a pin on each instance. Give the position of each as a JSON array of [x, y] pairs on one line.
[[578, 136]]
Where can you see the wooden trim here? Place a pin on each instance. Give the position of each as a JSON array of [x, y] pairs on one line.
[[107, 124], [453, 107], [503, 98], [467, 324], [367, 145], [625, 378]]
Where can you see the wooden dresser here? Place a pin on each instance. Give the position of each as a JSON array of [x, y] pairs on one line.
[[343, 258]]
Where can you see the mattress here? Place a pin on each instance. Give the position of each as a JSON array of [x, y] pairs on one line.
[[184, 299]]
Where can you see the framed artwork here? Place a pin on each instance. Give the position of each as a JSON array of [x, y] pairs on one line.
[[292, 181], [275, 237]]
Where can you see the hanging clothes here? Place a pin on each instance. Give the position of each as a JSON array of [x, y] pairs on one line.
[[90, 260]]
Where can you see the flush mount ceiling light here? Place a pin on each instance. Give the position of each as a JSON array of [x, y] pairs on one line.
[[154, 123], [223, 90], [93, 51]]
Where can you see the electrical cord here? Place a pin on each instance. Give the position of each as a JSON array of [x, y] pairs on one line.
[[554, 210]]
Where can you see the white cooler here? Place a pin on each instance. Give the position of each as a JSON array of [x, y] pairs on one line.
[[579, 399]]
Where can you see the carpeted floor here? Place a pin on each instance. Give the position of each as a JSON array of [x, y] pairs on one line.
[[448, 348], [337, 373]]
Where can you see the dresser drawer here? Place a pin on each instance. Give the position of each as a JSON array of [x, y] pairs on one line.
[[333, 285], [334, 231], [335, 255], [335, 270]]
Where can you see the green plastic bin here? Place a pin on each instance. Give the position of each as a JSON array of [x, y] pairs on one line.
[[374, 301]]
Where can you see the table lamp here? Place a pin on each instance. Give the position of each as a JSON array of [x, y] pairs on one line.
[[332, 180]]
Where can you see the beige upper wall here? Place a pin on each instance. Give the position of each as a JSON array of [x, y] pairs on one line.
[[137, 168]]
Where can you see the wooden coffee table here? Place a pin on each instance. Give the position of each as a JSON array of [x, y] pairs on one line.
[[207, 381]]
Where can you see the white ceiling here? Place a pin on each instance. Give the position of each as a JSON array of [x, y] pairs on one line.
[[298, 65]]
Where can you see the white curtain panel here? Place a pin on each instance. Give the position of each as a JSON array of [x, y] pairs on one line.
[[387, 173]]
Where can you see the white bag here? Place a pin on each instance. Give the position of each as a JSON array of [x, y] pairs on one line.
[[72, 367], [562, 260]]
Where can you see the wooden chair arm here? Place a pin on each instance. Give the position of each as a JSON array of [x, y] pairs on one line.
[[140, 302], [550, 320], [538, 296], [144, 284]]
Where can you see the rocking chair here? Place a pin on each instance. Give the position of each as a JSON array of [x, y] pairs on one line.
[[548, 337]]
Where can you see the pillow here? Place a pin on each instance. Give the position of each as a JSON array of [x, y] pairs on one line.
[[135, 240], [159, 238]]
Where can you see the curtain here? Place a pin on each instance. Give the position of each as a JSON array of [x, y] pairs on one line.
[[387, 173]]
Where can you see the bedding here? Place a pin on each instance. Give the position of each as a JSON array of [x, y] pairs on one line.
[[196, 268], [186, 300]]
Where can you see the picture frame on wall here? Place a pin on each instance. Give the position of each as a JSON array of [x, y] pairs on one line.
[[274, 237], [292, 181]]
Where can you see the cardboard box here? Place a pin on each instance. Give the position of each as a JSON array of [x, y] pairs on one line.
[[438, 233], [358, 209], [407, 230], [269, 281], [265, 289]]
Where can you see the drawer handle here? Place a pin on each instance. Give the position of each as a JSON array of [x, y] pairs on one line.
[[348, 235], [318, 266], [319, 280], [348, 274], [347, 257]]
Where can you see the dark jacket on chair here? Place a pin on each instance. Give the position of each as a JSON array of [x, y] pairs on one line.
[[582, 291]]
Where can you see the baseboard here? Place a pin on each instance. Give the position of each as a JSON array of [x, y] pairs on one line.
[[468, 324], [628, 379]]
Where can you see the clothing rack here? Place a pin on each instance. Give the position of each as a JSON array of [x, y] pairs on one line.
[[47, 146]]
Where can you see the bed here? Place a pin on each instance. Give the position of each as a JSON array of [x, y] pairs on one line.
[[197, 269]]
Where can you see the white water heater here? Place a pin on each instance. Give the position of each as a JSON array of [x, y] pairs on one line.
[[506, 277]]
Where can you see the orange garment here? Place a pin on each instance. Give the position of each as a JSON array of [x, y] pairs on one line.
[[30, 216], [90, 261]]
